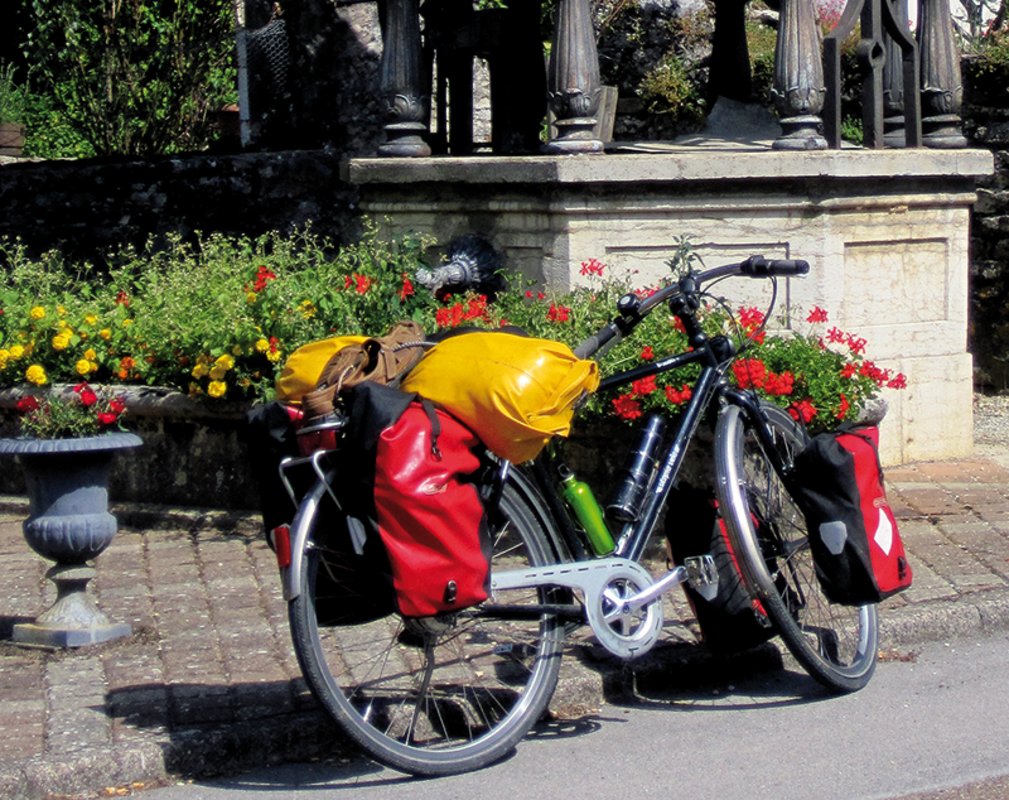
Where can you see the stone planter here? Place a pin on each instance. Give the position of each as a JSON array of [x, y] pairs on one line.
[[69, 523]]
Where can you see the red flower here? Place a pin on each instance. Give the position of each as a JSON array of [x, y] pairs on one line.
[[780, 385], [750, 373], [117, 406], [835, 336], [28, 403], [842, 412], [647, 354], [450, 317], [817, 314], [406, 290], [107, 418], [122, 299], [751, 318], [898, 381], [538, 295], [856, 344], [558, 313], [363, 283], [678, 324], [477, 308], [626, 407], [678, 396], [848, 370], [87, 395], [644, 386], [592, 267], [263, 276], [803, 411]]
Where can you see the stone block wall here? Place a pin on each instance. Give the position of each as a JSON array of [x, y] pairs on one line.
[[986, 124], [85, 208]]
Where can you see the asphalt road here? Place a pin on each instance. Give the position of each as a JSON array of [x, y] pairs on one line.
[[934, 719]]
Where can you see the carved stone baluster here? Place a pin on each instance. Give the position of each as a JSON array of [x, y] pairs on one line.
[[798, 78], [402, 81], [941, 85], [573, 80]]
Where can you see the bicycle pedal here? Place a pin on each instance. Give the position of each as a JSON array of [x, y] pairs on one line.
[[702, 575]]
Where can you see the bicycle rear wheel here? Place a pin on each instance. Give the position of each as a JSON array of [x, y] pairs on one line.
[[438, 695], [836, 644]]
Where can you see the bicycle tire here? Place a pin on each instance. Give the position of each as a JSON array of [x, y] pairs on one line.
[[836, 644], [443, 695]]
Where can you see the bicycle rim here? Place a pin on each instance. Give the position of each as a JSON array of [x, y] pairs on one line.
[[438, 695], [836, 644]]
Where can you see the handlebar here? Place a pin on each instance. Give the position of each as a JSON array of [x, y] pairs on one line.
[[633, 309]]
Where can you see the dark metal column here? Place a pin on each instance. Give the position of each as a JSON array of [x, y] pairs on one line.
[[573, 80], [402, 81], [941, 85], [798, 78]]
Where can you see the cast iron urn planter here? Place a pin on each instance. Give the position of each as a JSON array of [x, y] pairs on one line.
[[69, 523]]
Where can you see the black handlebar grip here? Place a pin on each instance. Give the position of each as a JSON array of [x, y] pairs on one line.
[[760, 267], [600, 340]]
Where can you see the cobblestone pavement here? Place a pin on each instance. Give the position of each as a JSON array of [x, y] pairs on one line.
[[208, 682]]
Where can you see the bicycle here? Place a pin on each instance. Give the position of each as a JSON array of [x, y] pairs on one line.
[[453, 693]]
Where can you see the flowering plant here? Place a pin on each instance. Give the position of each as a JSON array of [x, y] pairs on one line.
[[81, 412], [218, 319]]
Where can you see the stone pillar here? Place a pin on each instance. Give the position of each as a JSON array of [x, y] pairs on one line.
[[941, 85], [402, 81], [573, 80], [798, 78]]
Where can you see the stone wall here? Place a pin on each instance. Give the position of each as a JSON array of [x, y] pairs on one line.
[[86, 207], [986, 123]]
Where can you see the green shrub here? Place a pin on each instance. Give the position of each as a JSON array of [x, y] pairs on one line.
[[134, 78]]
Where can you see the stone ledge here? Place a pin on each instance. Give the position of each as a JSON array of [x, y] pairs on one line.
[[674, 164]]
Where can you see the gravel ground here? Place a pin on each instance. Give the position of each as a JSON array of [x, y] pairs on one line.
[[991, 426]]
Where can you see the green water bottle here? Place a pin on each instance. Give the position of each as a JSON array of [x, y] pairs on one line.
[[579, 496]]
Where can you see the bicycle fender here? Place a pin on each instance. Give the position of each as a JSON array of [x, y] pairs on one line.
[[290, 577]]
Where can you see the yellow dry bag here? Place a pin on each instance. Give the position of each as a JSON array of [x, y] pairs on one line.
[[304, 366], [514, 392]]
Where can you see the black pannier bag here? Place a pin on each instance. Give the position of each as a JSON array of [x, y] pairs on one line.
[[733, 620], [857, 550]]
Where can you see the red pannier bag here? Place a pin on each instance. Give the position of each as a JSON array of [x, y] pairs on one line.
[[430, 514], [857, 550]]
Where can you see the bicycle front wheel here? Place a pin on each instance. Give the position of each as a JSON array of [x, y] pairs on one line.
[[836, 644], [439, 695]]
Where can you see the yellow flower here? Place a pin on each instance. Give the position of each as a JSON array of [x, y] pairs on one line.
[[236, 350], [17, 351], [127, 323], [105, 334], [273, 356], [61, 341], [226, 362], [194, 389], [83, 366], [90, 354], [4, 355], [61, 310], [217, 372], [307, 309], [35, 374], [262, 345], [250, 298], [217, 388], [91, 319], [37, 312], [201, 370]]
